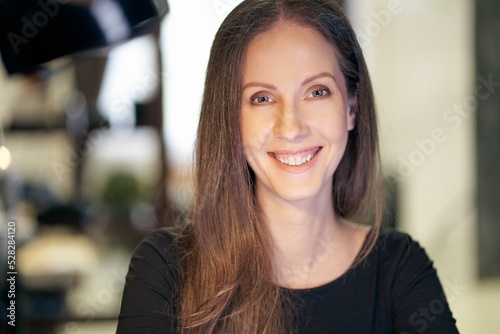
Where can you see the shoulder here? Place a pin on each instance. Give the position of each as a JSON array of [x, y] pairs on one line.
[[411, 284], [162, 240], [158, 250], [399, 263], [394, 238], [396, 243], [150, 296], [401, 256], [157, 260]]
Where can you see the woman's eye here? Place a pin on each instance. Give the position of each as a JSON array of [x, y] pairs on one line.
[[261, 99], [319, 92]]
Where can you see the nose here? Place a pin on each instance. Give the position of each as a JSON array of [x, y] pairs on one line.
[[290, 123]]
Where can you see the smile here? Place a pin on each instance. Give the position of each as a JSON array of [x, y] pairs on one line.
[[296, 159]]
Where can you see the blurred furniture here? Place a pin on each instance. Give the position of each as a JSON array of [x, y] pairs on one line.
[[50, 265], [33, 32]]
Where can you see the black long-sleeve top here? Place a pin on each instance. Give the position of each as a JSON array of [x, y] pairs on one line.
[[395, 290]]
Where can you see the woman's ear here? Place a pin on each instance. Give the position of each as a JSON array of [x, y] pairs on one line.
[[351, 112]]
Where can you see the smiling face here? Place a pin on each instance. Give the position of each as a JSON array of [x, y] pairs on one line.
[[295, 112]]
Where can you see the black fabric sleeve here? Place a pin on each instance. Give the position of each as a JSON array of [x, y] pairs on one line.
[[419, 302], [149, 298]]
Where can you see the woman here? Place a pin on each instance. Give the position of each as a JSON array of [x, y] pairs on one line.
[[286, 160]]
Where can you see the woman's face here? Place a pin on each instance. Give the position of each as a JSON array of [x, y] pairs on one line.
[[295, 112]]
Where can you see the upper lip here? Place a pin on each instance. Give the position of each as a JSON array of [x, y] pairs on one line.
[[305, 151]]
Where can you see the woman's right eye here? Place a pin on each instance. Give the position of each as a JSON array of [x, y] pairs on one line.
[[261, 99]]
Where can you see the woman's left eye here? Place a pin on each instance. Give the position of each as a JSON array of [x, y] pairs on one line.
[[319, 92]]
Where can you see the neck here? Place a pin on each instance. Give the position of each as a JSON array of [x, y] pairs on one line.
[[298, 226], [305, 234]]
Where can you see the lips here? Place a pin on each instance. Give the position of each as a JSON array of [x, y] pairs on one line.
[[297, 158]]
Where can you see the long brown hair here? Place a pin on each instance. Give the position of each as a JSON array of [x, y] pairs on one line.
[[227, 284]]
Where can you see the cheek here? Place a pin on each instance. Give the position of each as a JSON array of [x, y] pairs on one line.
[[334, 123], [249, 141], [253, 145], [255, 132]]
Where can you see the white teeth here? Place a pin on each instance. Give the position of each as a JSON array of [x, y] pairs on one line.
[[294, 160]]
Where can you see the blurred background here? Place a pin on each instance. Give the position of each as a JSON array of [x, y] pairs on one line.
[[96, 146]]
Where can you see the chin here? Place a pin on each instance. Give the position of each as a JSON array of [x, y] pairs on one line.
[[299, 193]]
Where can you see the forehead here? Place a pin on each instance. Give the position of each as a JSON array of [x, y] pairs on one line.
[[289, 48]]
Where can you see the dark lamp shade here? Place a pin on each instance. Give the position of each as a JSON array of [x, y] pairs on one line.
[[33, 32]]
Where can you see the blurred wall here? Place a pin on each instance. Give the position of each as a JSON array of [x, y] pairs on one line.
[[421, 59], [421, 56]]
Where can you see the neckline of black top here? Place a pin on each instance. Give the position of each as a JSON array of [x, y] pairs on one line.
[[335, 281]]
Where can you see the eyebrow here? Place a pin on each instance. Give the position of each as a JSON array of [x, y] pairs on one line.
[[317, 76], [259, 84], [305, 82]]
